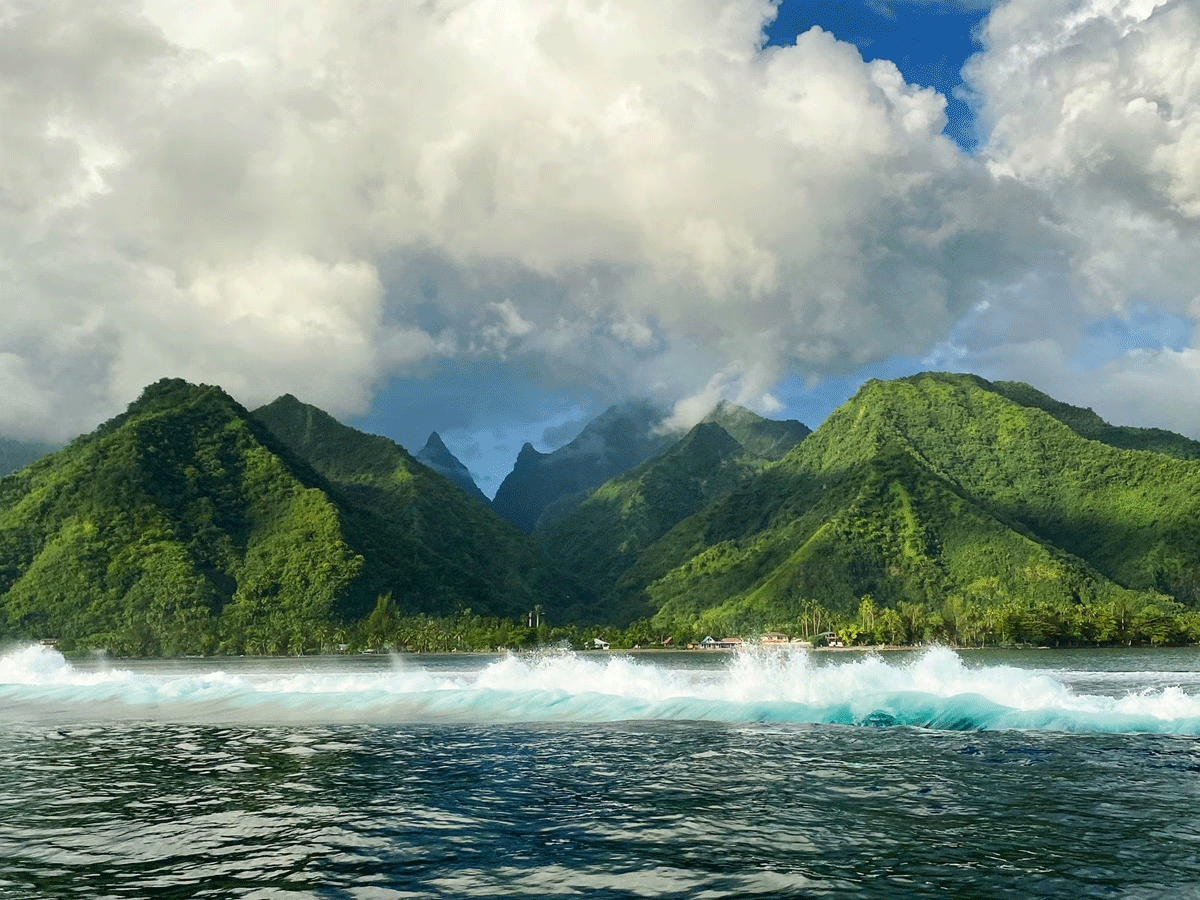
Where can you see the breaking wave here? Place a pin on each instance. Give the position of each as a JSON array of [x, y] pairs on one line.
[[935, 689]]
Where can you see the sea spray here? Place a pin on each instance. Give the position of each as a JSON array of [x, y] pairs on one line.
[[931, 689]]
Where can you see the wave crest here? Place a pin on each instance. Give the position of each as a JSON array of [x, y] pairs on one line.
[[935, 689]]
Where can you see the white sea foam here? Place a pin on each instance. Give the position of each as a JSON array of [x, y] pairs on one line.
[[35, 664], [934, 689]]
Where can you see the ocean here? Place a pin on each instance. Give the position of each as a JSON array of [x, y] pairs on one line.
[[760, 774]]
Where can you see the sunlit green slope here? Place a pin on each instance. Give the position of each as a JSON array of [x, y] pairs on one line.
[[605, 534], [933, 486], [176, 527], [186, 525]]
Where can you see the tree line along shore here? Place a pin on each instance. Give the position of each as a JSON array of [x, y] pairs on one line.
[[956, 623]]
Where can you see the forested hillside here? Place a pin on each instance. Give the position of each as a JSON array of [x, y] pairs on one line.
[[622, 437], [606, 533], [932, 489], [176, 527], [936, 507], [435, 548], [185, 526]]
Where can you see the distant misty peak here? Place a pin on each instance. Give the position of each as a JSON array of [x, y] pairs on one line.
[[435, 450], [615, 429], [623, 436], [437, 456], [16, 454]]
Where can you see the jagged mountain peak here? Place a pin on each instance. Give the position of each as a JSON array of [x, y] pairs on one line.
[[759, 436], [618, 430], [707, 436], [621, 437], [434, 443], [437, 456], [529, 452]]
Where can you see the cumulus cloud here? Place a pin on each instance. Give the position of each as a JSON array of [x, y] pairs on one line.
[[316, 196], [253, 193], [1096, 106]]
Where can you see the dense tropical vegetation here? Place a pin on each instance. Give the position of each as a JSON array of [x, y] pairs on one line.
[[933, 508], [956, 622], [604, 536], [937, 487], [186, 525]]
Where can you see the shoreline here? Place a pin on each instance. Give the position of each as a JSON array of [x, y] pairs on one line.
[[589, 651]]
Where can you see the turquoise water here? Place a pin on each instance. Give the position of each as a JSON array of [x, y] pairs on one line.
[[913, 774]]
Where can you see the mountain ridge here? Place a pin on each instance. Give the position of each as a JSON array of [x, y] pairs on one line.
[[602, 535], [621, 437], [1010, 468], [939, 504], [484, 562], [437, 456], [188, 524]]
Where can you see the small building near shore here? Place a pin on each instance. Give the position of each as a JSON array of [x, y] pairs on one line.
[[711, 643], [773, 638]]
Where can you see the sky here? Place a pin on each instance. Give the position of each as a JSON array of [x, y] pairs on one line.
[[494, 218]]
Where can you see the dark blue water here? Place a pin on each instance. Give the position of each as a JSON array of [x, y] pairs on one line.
[[659, 776]]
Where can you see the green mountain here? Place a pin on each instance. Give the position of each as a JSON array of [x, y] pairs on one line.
[[603, 536], [436, 547], [759, 437], [937, 487], [174, 527], [617, 440], [437, 456], [606, 533], [185, 525], [1085, 423], [190, 525], [544, 487]]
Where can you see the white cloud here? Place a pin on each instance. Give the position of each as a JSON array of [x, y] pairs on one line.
[[267, 326], [633, 332], [1096, 106], [745, 387], [1153, 388], [314, 196]]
